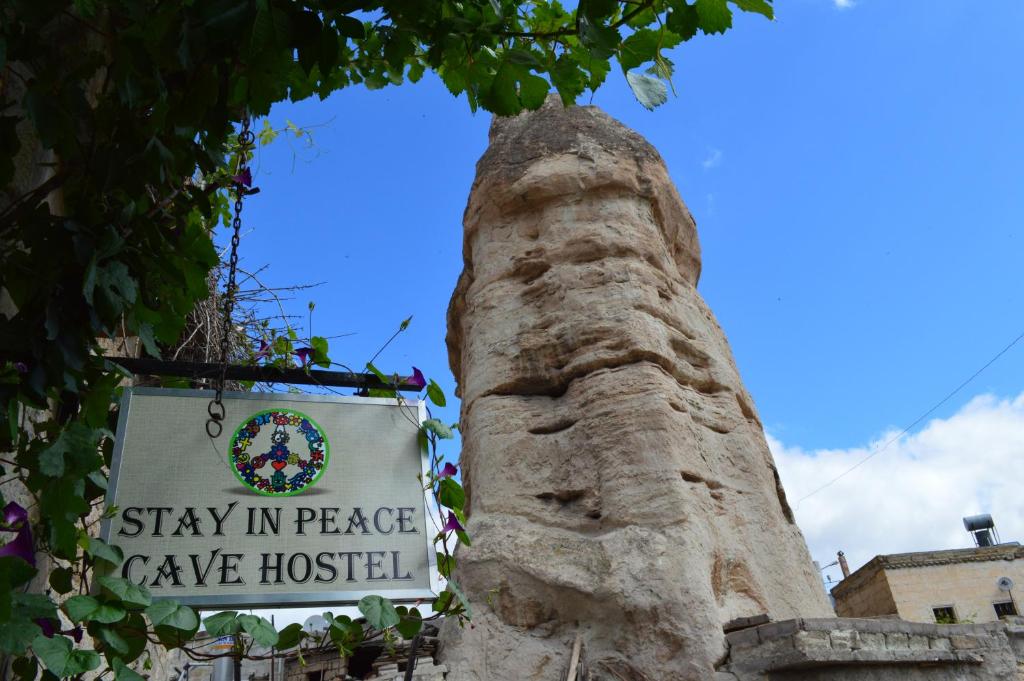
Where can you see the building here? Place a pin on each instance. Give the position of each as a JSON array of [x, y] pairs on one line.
[[945, 587]]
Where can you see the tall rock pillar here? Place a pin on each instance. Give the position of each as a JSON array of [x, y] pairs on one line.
[[619, 484]]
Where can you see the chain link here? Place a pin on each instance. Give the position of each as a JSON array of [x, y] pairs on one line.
[[216, 410]]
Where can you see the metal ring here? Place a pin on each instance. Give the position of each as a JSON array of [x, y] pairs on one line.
[[213, 414], [212, 425]]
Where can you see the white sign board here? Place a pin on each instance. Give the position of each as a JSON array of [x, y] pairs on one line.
[[304, 500]]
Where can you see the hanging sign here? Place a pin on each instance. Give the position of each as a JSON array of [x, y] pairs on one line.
[[304, 500]]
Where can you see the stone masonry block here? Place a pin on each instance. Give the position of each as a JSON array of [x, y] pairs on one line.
[[939, 643], [844, 639], [776, 648], [896, 640], [743, 638], [808, 641], [962, 642], [917, 642], [768, 632], [868, 640]]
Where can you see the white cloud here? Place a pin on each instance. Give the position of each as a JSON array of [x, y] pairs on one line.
[[713, 160], [843, 4], [912, 496]]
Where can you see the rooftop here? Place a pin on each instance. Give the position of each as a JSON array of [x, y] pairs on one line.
[[895, 561]]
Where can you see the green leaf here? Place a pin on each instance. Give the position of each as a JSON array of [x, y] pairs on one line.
[[602, 40], [97, 478], [79, 608], [650, 92], [502, 97], [17, 635], [568, 78], [59, 657], [715, 15], [451, 494], [269, 30], [344, 633], [463, 537], [14, 571], [133, 632], [129, 592], [262, 631], [379, 612], [762, 7], [443, 601], [51, 459], [123, 672], [34, 606], [461, 596], [112, 640], [60, 580], [89, 609], [416, 70], [525, 57], [100, 550], [533, 90], [445, 564], [351, 28], [645, 45], [638, 48], [438, 429], [267, 134], [320, 346], [435, 393], [378, 373], [683, 20], [25, 668], [173, 614], [290, 636], [410, 622], [222, 624]]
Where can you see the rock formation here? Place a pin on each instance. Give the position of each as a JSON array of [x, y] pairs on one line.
[[618, 479]]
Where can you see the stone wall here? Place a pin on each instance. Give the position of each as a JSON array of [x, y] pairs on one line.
[[843, 649], [872, 597], [969, 587], [910, 585]]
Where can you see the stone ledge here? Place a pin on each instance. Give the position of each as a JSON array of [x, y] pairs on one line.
[[845, 642], [773, 630], [797, 659]]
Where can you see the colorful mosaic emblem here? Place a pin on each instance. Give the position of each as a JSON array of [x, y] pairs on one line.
[[279, 452]]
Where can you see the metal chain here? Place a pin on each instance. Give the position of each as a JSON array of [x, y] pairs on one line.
[[216, 410]]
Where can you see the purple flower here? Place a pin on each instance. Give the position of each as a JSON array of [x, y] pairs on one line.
[[243, 178], [452, 525], [47, 626], [417, 379], [304, 354], [21, 367], [76, 634], [16, 520], [264, 350], [448, 471]]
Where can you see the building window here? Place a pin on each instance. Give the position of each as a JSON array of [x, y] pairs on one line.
[[1005, 609], [944, 615]]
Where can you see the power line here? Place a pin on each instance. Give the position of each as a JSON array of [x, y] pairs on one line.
[[918, 420]]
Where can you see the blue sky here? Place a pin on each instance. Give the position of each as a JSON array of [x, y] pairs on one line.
[[855, 174]]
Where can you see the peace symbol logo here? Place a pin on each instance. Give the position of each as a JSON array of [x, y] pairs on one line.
[[265, 452]]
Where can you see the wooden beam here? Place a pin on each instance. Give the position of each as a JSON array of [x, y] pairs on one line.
[[265, 374]]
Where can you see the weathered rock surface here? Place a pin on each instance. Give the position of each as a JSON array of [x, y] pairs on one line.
[[618, 478]]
